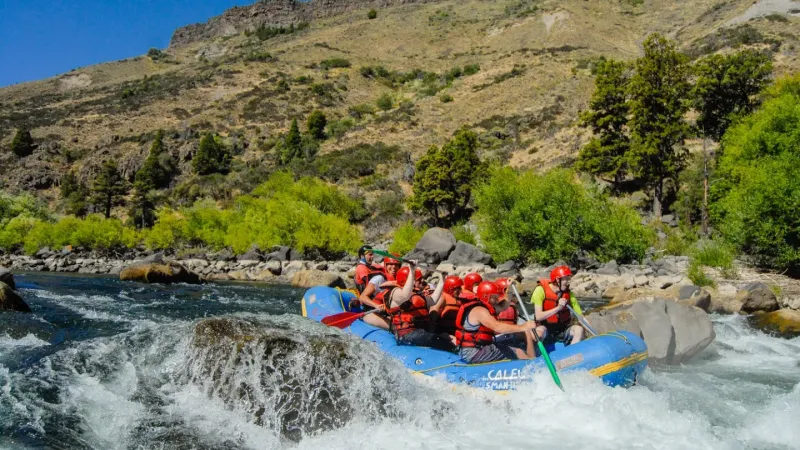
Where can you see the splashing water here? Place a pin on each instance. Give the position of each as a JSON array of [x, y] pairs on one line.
[[102, 364]]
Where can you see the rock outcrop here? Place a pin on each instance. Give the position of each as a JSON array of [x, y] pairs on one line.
[[784, 321], [757, 297], [159, 273], [11, 301], [7, 277], [434, 247], [311, 278]]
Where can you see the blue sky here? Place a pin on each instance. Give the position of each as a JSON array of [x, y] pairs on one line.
[[43, 38]]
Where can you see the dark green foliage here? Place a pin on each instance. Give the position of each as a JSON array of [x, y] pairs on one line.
[[471, 69], [726, 87], [258, 57], [384, 102], [546, 218], [734, 37], [659, 93], [74, 195], [334, 63], [212, 156], [446, 98], [159, 167], [689, 203], [316, 124], [156, 54], [264, 32], [605, 155], [292, 144], [353, 162], [445, 177], [304, 79], [360, 111], [756, 194], [516, 71], [372, 14], [425, 83], [143, 205], [22, 145], [776, 17], [108, 188], [338, 128], [522, 8]]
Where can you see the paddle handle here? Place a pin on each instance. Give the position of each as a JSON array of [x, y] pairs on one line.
[[583, 321], [548, 362]]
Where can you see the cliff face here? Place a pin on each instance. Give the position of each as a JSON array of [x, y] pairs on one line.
[[273, 13]]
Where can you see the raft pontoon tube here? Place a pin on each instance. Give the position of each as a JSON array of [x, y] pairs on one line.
[[617, 357]]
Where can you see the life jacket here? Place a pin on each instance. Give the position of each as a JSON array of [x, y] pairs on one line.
[[466, 296], [510, 315], [387, 287], [482, 336], [411, 315], [551, 302], [363, 275], [448, 314]]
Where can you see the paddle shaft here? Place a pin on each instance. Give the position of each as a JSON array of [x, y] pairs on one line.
[[343, 320], [550, 366], [583, 321]]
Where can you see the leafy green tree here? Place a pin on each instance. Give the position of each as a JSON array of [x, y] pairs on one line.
[[74, 194], [108, 188], [22, 145], [316, 124], [159, 167], [659, 100], [372, 14], [605, 155], [212, 156], [756, 194], [143, 205], [292, 144], [445, 177], [726, 87]]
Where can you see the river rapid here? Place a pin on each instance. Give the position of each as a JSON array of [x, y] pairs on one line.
[[102, 364]]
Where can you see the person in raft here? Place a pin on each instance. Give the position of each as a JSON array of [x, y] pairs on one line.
[[477, 326], [471, 282], [375, 286], [411, 319], [365, 268], [511, 316], [550, 299]]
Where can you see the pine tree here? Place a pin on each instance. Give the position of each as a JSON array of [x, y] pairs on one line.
[[22, 145], [108, 188], [605, 155], [659, 100], [292, 144], [316, 123], [212, 156], [444, 178], [726, 87], [73, 194], [143, 203], [160, 166]]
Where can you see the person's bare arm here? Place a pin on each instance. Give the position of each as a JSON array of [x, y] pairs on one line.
[[366, 296], [482, 316], [541, 315], [404, 295]]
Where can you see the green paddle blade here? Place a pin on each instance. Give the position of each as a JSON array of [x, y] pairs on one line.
[[550, 365]]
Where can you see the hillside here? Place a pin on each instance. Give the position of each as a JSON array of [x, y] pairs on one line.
[[535, 77]]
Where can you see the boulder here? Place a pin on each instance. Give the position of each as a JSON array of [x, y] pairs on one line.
[[508, 269], [464, 254], [156, 258], [310, 278], [223, 255], [614, 290], [757, 297], [783, 321], [251, 255], [434, 247], [691, 295], [279, 253], [790, 301], [274, 266], [674, 333], [446, 267], [609, 268], [159, 273], [11, 301], [7, 277]]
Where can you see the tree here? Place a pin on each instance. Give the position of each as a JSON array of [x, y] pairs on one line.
[[212, 156], [659, 100], [316, 124], [605, 155], [22, 145], [159, 167], [445, 177], [292, 144], [108, 188], [143, 205], [726, 87], [74, 194], [372, 14]]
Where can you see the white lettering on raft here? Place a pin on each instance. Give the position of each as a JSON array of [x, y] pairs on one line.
[[568, 362], [502, 374]]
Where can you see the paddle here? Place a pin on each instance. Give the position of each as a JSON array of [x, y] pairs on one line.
[[542, 350], [389, 255], [345, 319], [583, 321]]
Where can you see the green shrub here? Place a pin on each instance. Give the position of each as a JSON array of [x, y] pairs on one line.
[[713, 253], [472, 69], [213, 156], [339, 128], [372, 14], [22, 144], [385, 102], [406, 237], [462, 233], [316, 123], [361, 110], [258, 57], [546, 218], [334, 63], [698, 276], [446, 98]]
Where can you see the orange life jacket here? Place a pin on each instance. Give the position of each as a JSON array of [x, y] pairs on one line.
[[551, 302], [363, 274], [387, 286], [448, 314], [482, 336], [510, 315], [411, 315]]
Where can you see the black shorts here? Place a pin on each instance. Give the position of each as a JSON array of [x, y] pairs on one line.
[[558, 332], [423, 338], [487, 353]]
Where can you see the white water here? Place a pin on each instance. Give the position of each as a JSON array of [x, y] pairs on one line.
[[296, 384]]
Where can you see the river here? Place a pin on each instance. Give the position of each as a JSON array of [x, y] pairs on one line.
[[103, 364]]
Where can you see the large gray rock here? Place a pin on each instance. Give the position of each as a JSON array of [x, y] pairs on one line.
[[434, 247], [691, 295], [155, 258], [159, 273], [251, 255], [465, 254], [674, 333], [7, 277], [311, 278], [610, 268], [508, 269], [11, 301], [279, 253], [757, 297]]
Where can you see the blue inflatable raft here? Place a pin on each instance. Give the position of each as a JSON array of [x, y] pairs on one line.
[[618, 357]]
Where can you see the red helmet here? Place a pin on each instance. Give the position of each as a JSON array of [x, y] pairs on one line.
[[503, 284], [560, 272], [486, 289], [387, 260], [402, 275], [471, 280], [451, 282]]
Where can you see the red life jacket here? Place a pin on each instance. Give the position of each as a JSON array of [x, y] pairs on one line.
[[551, 302], [411, 315], [387, 287], [466, 296], [362, 277], [482, 336], [448, 314], [510, 315]]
